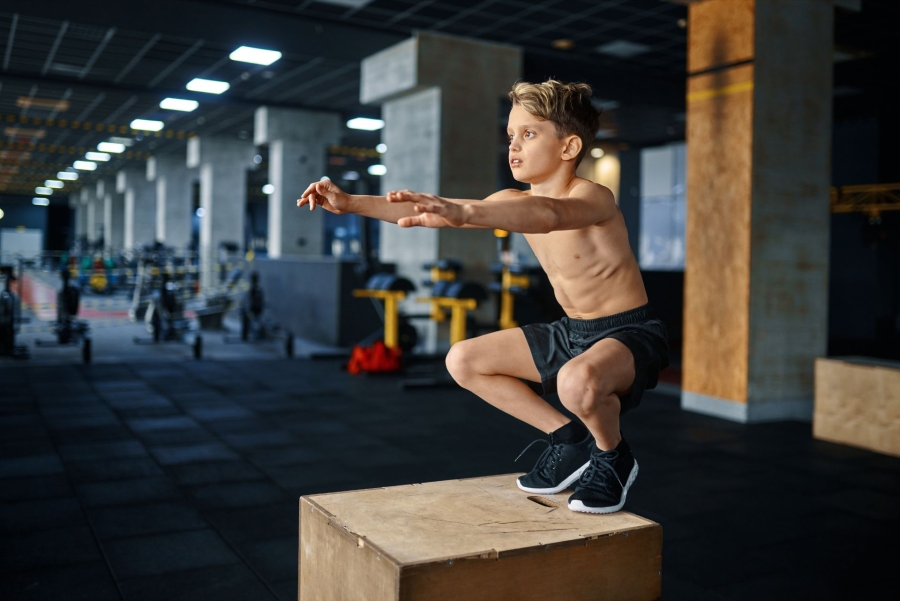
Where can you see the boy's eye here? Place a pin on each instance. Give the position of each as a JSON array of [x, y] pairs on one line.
[[529, 133]]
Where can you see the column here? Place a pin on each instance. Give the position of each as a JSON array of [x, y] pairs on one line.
[[440, 97], [223, 164], [758, 174], [298, 142], [113, 215], [174, 202], [140, 206], [92, 217], [79, 218]]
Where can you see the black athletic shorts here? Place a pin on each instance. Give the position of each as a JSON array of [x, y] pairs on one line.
[[554, 344]]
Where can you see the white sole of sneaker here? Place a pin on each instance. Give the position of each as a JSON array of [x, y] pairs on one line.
[[579, 506], [563, 486]]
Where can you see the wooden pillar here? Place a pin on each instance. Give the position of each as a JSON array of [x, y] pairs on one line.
[[758, 175]]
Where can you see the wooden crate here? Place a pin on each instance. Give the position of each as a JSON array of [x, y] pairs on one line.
[[471, 540], [858, 403]]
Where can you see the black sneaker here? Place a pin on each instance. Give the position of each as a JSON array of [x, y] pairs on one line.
[[605, 483], [558, 467]]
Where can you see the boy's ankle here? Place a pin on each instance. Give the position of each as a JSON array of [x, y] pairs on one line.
[[571, 433]]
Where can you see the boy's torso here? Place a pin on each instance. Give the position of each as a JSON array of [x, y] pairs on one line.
[[592, 270]]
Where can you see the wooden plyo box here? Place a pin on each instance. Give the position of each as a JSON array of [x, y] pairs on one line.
[[858, 403], [471, 540]]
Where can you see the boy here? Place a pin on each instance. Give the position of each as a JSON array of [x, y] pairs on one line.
[[606, 351]]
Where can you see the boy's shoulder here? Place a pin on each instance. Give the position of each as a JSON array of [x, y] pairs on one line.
[[508, 194]]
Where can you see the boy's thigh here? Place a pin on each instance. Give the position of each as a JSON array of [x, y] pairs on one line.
[[608, 362], [499, 353]]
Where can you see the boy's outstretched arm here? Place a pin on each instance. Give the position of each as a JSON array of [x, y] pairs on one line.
[[330, 197], [589, 204]]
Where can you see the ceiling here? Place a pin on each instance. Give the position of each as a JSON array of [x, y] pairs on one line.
[[111, 61]]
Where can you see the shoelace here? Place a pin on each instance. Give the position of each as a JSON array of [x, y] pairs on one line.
[[601, 466], [553, 452]]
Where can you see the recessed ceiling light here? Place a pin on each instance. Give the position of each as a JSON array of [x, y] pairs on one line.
[[209, 86], [147, 124], [43, 190], [97, 156], [179, 104], [377, 170], [54, 183], [67, 175], [85, 165], [597, 153], [257, 56], [365, 123], [113, 147], [563, 44], [382, 148], [39, 201], [623, 49], [268, 189]]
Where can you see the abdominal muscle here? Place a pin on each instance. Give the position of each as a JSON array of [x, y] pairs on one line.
[[593, 271]]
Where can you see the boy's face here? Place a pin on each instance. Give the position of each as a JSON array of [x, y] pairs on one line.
[[535, 151]]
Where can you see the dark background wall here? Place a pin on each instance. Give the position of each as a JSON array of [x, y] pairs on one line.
[[55, 220]]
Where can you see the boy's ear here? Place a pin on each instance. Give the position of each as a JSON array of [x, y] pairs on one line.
[[572, 148]]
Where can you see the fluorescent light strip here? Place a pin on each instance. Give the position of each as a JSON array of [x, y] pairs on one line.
[[179, 104], [43, 190], [54, 183], [111, 147], [147, 125], [101, 157], [85, 165], [365, 123], [209, 86], [41, 202], [257, 56], [67, 175]]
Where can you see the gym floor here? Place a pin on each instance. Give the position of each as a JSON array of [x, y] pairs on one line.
[[161, 477]]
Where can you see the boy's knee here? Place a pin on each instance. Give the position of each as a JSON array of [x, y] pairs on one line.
[[460, 362], [581, 389]]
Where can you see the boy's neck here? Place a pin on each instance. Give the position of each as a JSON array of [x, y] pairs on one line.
[[556, 185]]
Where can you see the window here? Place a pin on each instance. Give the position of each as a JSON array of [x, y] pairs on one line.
[[663, 173]]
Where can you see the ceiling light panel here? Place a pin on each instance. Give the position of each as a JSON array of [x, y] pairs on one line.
[[257, 56], [208, 86], [179, 104], [147, 125]]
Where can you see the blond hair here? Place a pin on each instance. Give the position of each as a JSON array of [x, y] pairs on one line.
[[567, 105]]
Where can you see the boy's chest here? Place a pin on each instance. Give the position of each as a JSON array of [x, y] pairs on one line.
[[565, 253]]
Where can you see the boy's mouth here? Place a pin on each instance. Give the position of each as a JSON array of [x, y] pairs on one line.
[[515, 162]]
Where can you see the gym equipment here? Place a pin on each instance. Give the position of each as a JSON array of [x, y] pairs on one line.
[[459, 297], [477, 539], [165, 317], [444, 270], [67, 328], [10, 317], [255, 325], [391, 289], [514, 280]]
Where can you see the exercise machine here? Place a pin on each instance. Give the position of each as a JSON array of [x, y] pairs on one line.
[[10, 317], [67, 328]]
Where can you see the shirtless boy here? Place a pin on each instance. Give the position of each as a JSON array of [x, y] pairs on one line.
[[608, 349]]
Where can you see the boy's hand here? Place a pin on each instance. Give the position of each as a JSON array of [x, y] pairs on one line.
[[327, 195], [435, 211]]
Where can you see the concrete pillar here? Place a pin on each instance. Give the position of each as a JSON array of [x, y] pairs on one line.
[[80, 216], [140, 206], [297, 149], [440, 97], [223, 164], [92, 216], [174, 206], [113, 215], [756, 273]]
